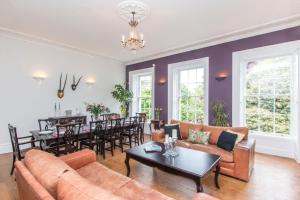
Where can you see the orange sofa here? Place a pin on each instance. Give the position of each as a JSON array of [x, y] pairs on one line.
[[78, 176], [238, 163]]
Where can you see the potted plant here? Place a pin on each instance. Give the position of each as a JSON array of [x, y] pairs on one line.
[[220, 116], [96, 109], [124, 96]]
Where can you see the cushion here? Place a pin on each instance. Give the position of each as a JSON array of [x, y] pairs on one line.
[[46, 168], [183, 143], [103, 177], [239, 138], [74, 187], [227, 141], [136, 191], [169, 130], [198, 137], [226, 156], [185, 126]]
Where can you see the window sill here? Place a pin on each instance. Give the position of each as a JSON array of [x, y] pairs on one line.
[[273, 136]]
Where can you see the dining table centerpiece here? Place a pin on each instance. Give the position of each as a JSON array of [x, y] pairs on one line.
[[96, 109]]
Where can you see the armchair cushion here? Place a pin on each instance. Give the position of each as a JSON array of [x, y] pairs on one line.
[[46, 168], [79, 159], [73, 187]]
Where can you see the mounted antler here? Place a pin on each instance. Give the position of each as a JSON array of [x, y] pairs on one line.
[[74, 85], [61, 91]]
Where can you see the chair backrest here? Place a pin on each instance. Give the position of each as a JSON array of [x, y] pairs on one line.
[[14, 140], [117, 126], [98, 128], [70, 134], [45, 124], [134, 122]]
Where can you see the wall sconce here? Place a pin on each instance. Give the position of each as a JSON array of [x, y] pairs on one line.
[[90, 81], [221, 76], [162, 81], [39, 77]]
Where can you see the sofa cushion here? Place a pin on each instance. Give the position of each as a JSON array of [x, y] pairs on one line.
[[103, 177], [169, 128], [198, 137], [136, 191], [227, 140], [215, 132], [46, 168], [185, 126], [239, 138], [226, 156], [74, 187]]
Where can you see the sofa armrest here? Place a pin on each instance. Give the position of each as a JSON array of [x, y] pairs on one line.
[[158, 135], [243, 155], [79, 159]]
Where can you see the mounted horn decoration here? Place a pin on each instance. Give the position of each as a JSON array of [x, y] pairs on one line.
[[61, 91], [74, 85]]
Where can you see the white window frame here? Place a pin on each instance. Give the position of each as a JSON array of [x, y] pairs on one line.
[[135, 88], [173, 85], [288, 146]]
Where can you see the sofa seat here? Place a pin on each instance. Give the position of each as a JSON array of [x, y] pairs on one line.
[[105, 178], [226, 156]]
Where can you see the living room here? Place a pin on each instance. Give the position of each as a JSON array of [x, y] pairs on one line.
[[140, 99]]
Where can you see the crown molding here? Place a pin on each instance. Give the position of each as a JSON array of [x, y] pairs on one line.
[[228, 37], [33, 38]]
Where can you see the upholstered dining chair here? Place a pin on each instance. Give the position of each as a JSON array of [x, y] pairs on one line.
[[67, 139], [132, 132], [96, 137], [142, 121], [17, 142], [115, 134]]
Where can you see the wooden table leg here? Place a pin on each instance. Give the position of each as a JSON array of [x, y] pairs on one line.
[[127, 164], [198, 185], [216, 176]]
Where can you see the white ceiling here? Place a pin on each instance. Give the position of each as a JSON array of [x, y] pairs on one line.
[[94, 25]]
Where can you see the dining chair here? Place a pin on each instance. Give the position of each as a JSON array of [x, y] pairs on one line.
[[45, 124], [142, 121], [115, 134], [96, 138], [16, 143], [67, 139], [132, 132]]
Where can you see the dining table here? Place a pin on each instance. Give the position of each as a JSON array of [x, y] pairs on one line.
[[48, 137]]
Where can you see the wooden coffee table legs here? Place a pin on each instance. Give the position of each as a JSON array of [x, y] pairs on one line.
[[216, 176], [198, 180], [127, 164]]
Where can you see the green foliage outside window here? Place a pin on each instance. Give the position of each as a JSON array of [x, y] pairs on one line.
[[268, 95]]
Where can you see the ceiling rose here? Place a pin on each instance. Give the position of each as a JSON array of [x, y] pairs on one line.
[[126, 8]]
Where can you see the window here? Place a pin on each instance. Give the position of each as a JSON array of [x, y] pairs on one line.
[[188, 88], [265, 89], [268, 95], [141, 84], [144, 95]]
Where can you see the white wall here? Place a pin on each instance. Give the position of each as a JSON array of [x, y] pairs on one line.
[[23, 100]]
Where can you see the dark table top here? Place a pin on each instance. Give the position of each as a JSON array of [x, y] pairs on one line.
[[190, 161]]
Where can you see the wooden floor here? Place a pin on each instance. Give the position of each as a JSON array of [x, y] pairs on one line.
[[273, 178]]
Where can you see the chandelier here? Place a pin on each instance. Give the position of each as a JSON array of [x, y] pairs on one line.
[[134, 41], [133, 12]]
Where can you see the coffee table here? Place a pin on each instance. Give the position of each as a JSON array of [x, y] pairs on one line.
[[189, 163]]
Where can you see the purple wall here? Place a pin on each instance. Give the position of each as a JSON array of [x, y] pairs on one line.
[[220, 61]]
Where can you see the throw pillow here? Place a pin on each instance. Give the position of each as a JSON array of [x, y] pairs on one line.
[[169, 130], [198, 137], [226, 141], [240, 136]]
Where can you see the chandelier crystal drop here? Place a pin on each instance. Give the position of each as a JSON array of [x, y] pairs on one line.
[[134, 41]]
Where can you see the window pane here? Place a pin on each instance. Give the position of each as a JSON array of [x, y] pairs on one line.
[[191, 99], [267, 95], [145, 95]]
